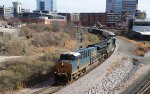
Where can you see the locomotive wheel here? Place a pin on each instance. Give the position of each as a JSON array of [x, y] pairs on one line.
[[64, 79], [57, 79], [84, 70], [70, 77]]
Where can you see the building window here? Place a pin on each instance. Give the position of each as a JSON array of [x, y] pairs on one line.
[[42, 5]]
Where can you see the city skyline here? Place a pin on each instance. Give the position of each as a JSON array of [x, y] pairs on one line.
[[74, 6]]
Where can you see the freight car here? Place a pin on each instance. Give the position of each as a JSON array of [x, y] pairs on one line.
[[103, 32]]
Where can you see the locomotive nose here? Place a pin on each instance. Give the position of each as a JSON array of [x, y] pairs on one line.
[[62, 68]]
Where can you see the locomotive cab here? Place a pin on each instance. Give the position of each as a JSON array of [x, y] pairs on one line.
[[63, 68]]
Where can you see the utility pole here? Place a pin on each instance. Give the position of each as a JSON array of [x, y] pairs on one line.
[[79, 39]]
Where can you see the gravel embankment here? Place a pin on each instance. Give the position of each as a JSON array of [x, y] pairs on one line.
[[106, 85], [110, 75]]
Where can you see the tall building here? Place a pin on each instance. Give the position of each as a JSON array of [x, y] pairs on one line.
[[114, 6], [47, 5], [109, 6], [130, 6], [118, 6], [17, 7]]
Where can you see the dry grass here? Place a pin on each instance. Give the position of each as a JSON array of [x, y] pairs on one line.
[[37, 39], [141, 49], [21, 73], [41, 39]]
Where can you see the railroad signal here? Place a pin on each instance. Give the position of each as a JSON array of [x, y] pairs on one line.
[[79, 40]]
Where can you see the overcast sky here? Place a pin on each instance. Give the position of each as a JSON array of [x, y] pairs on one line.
[[77, 5]]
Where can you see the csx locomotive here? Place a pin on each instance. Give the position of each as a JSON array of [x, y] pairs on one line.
[[73, 64]]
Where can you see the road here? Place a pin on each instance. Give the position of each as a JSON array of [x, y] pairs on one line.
[[127, 48], [8, 58]]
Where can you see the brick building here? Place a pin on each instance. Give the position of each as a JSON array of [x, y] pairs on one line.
[[67, 15], [43, 18], [90, 19], [43, 21]]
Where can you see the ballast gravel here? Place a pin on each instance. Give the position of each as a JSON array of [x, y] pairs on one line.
[[103, 79]]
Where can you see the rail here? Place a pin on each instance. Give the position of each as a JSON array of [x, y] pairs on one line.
[[145, 89]]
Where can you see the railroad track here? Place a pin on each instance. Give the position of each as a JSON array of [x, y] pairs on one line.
[[52, 89], [145, 89]]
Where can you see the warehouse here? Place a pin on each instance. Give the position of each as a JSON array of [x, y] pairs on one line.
[[143, 35], [141, 29]]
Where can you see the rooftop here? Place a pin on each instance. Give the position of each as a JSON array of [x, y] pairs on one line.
[[145, 33], [145, 20], [73, 53]]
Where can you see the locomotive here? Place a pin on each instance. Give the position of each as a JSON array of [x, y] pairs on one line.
[[73, 64]]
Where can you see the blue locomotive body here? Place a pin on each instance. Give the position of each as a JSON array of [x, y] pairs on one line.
[[73, 64]]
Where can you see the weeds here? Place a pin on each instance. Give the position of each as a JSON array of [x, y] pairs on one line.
[[34, 39], [142, 47], [17, 74]]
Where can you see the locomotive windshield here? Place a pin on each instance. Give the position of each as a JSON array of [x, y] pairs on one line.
[[67, 57]]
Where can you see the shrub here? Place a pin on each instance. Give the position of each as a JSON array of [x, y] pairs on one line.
[[55, 26], [40, 27], [140, 51], [17, 74], [45, 39], [49, 57], [16, 47], [26, 32], [9, 80]]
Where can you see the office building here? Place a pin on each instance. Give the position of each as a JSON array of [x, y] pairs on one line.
[[6, 12], [47, 5], [140, 14], [130, 6], [109, 6], [117, 19], [17, 7], [119, 6], [91, 19], [113, 6]]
